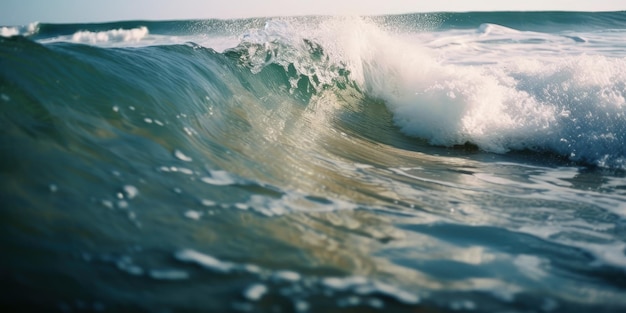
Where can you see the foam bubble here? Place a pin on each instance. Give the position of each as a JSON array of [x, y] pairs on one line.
[[219, 178], [194, 215], [292, 202], [9, 31], [364, 286], [287, 276], [130, 191], [209, 203], [204, 260]]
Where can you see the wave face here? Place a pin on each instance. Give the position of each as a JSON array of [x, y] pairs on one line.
[[448, 161]]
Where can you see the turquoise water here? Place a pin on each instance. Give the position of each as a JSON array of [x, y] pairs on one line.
[[443, 162]]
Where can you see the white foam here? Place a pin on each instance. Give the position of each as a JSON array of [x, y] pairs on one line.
[[343, 283], [27, 30], [567, 103], [181, 156], [444, 104], [292, 202], [130, 191], [219, 178], [489, 29], [206, 202], [358, 285], [9, 31], [194, 215], [114, 35], [204, 260], [364, 286], [289, 276]]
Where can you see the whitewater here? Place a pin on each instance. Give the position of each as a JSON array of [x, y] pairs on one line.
[[471, 162]]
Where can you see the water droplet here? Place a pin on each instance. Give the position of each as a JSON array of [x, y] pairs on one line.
[[287, 276], [219, 178], [181, 156], [185, 171], [130, 268], [189, 131], [255, 292], [122, 204], [301, 305], [207, 202], [194, 215], [130, 191], [241, 206]]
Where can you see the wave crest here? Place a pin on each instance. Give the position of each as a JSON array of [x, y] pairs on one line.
[[301, 57], [573, 105]]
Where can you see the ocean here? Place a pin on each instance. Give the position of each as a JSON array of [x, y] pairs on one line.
[[431, 162]]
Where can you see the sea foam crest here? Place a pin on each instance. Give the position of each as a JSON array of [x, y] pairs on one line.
[[9, 31], [114, 35], [488, 28], [28, 30]]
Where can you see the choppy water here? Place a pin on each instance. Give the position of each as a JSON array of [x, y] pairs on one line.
[[426, 162]]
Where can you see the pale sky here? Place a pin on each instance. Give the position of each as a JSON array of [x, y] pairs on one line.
[[19, 12]]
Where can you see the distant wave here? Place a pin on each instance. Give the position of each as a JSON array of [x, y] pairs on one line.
[[115, 35], [523, 21], [28, 30]]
